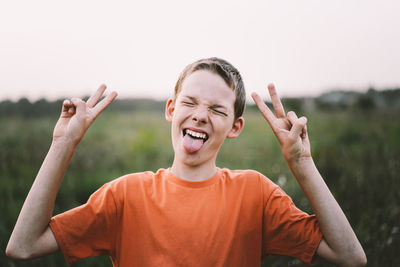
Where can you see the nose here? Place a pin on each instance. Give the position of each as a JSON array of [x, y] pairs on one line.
[[200, 115]]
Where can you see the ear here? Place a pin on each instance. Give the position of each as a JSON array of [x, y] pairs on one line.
[[237, 127], [169, 109]]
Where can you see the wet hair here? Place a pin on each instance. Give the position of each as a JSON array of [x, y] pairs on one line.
[[226, 71]]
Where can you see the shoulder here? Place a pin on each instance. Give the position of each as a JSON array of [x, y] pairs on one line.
[[249, 177], [129, 184], [136, 178], [240, 174]]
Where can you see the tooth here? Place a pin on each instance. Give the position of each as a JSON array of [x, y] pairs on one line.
[[196, 134]]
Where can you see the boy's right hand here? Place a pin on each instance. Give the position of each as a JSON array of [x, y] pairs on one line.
[[77, 115], [32, 236]]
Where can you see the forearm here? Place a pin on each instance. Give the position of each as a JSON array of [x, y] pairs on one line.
[[334, 225], [37, 210]]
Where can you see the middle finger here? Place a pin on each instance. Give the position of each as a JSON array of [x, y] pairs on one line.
[[276, 102]]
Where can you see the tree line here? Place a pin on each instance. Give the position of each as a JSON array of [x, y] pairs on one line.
[[369, 100]]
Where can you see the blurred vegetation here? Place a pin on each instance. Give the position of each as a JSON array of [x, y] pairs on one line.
[[355, 144]]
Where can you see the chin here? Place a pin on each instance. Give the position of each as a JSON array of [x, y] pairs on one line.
[[191, 159]]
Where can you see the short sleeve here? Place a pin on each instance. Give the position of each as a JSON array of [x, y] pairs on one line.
[[88, 230], [287, 230]]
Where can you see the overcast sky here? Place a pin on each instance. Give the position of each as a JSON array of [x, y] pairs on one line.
[[57, 49]]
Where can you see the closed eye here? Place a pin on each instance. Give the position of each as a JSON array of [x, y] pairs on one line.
[[188, 103], [219, 112]]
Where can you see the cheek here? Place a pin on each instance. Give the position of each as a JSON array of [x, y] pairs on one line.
[[181, 109], [177, 114], [224, 123]]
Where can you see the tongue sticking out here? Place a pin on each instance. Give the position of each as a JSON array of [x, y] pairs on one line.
[[191, 144]]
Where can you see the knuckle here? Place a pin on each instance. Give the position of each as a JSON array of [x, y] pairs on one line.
[[76, 100], [292, 115], [299, 124]]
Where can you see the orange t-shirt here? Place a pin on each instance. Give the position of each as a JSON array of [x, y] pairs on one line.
[[156, 219]]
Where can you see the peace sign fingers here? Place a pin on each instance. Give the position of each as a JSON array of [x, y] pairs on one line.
[[103, 104], [95, 107], [91, 102], [264, 109], [277, 122]]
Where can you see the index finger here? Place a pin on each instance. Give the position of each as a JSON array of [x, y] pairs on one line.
[[276, 102], [265, 111]]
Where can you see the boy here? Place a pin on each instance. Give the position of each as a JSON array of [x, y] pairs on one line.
[[192, 214]]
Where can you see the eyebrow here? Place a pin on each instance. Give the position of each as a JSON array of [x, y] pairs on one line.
[[218, 106], [191, 98]]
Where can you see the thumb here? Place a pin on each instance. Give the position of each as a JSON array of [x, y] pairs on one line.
[[298, 128], [65, 109]]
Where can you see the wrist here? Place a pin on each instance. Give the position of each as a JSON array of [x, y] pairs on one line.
[[62, 143], [302, 166]]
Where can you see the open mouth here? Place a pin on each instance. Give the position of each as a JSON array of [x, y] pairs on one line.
[[195, 135], [193, 141]]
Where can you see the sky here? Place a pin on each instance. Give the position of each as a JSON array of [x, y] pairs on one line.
[[63, 49]]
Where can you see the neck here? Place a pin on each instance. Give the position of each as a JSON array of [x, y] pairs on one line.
[[194, 173]]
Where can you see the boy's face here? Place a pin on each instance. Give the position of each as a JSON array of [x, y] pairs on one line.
[[202, 116]]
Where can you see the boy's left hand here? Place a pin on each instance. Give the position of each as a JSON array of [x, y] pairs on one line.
[[290, 130]]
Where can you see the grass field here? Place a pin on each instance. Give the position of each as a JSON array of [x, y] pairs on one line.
[[357, 153]]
